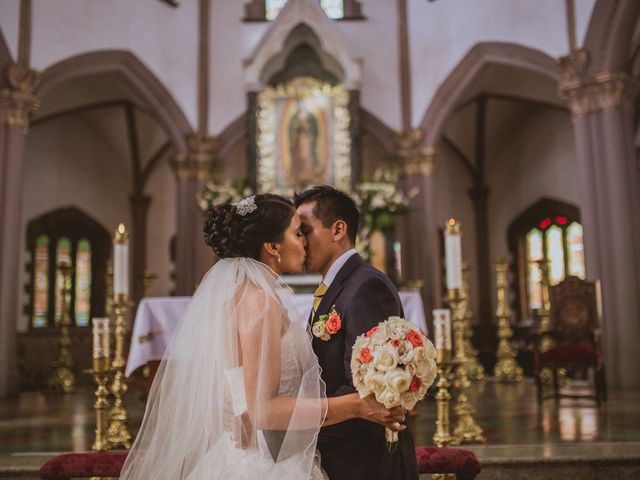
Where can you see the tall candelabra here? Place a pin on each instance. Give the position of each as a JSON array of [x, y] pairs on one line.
[[545, 327], [466, 428], [100, 373], [118, 433], [62, 377], [443, 344], [507, 369], [475, 370]]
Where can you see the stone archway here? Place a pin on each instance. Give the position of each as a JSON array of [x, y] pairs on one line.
[[463, 76], [136, 76]]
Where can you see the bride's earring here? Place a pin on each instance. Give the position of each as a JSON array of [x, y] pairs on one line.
[[279, 258]]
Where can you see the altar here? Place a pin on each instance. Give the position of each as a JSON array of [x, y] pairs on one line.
[[157, 318]]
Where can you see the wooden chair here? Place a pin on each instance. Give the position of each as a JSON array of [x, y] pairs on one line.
[[575, 331]]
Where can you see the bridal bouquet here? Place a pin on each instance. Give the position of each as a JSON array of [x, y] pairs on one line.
[[395, 362]]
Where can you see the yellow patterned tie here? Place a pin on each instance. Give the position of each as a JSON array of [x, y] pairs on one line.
[[317, 296]]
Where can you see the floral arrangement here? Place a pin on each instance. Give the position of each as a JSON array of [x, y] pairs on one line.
[[218, 193], [395, 362], [380, 200], [327, 325]]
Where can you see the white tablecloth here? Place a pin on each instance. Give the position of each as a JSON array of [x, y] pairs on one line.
[[157, 318]]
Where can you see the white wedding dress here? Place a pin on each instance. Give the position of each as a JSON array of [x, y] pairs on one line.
[[196, 425]]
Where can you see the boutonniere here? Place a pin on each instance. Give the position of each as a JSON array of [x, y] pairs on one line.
[[327, 325]]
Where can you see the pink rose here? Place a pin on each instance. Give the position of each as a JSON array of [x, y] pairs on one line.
[[416, 383], [372, 331], [333, 324], [365, 355], [415, 338]]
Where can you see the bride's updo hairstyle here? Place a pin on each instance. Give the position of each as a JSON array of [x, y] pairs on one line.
[[233, 231]]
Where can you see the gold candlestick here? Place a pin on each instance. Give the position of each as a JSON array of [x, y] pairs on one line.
[[62, 377], [442, 437], [545, 327], [474, 368], [101, 367], [466, 428], [507, 369], [108, 308], [118, 433]]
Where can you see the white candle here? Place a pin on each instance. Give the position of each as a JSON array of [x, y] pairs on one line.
[[398, 258], [453, 254], [100, 337], [442, 328], [120, 262]]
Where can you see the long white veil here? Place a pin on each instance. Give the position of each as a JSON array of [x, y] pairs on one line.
[[200, 419]]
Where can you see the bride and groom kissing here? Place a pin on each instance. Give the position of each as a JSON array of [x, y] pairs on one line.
[[244, 391]]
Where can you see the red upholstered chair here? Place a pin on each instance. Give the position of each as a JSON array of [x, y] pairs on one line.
[[81, 465], [462, 463], [575, 332]]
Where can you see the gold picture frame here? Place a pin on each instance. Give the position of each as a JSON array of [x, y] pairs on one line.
[[303, 136]]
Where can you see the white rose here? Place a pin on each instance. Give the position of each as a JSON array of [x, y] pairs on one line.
[[319, 329], [396, 327], [430, 350], [375, 382], [398, 380], [385, 358], [380, 336], [425, 366], [405, 352], [388, 399]]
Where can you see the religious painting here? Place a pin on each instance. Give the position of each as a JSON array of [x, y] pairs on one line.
[[303, 136]]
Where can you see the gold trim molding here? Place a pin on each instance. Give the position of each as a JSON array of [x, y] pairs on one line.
[[592, 94], [199, 163], [412, 157]]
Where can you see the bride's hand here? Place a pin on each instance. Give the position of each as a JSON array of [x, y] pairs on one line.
[[373, 411]]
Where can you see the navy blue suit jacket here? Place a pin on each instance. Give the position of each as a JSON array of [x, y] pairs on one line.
[[356, 449]]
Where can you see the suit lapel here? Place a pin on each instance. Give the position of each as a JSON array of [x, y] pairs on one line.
[[336, 286]]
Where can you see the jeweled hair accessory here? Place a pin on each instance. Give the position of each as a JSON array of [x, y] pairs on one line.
[[246, 205]]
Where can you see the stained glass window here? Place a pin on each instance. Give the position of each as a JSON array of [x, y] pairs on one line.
[[557, 244], [333, 8], [555, 254], [575, 250], [63, 255], [534, 274], [41, 283], [273, 7], [83, 283]]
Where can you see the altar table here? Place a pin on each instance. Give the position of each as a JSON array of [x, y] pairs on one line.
[[157, 318]]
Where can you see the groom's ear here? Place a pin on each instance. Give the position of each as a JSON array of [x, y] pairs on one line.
[[339, 230]]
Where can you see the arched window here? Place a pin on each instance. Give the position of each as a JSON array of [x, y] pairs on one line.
[[548, 233], [261, 10], [333, 8], [66, 236]]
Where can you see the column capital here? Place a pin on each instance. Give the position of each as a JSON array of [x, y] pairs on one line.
[[587, 94], [18, 102], [412, 156], [199, 163]]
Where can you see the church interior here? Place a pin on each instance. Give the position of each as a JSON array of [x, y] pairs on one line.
[[493, 148]]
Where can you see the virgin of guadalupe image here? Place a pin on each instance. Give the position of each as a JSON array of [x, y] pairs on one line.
[[306, 167]]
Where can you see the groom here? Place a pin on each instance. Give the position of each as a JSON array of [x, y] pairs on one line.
[[362, 297]]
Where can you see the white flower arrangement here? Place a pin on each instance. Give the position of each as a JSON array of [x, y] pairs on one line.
[[218, 193], [381, 200], [396, 363]]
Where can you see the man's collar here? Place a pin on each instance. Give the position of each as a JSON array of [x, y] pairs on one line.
[[337, 265]]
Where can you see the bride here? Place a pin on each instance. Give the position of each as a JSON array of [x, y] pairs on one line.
[[238, 394]]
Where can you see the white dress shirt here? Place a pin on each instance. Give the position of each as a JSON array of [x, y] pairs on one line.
[[337, 265]]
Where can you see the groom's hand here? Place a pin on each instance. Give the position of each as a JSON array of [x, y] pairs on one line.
[[376, 412]]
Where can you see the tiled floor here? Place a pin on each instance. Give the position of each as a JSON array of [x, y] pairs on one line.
[[37, 422]]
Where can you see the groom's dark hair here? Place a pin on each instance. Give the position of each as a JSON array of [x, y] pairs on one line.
[[331, 205]]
